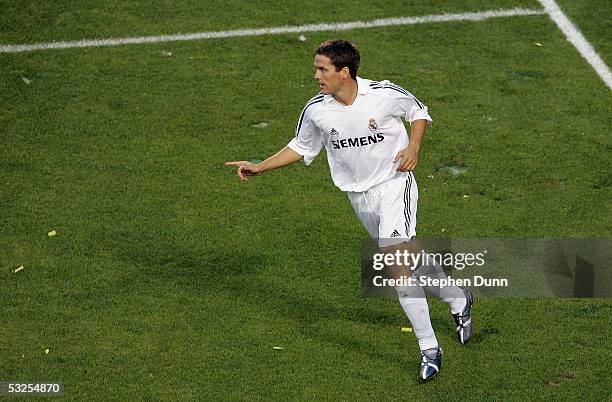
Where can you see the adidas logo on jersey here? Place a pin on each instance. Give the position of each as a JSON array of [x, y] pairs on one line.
[[333, 132], [395, 234]]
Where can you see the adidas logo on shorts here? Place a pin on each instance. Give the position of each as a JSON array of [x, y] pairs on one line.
[[395, 234], [333, 132]]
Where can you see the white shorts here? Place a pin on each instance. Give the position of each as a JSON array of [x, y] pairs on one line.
[[388, 210]]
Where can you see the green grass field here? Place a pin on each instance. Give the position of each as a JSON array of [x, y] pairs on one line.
[[170, 279]]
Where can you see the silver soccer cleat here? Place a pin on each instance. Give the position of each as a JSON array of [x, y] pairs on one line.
[[431, 363], [464, 320]]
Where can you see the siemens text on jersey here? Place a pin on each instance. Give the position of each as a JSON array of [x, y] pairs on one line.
[[358, 141]]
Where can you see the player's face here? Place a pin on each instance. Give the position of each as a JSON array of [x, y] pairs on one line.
[[330, 80]]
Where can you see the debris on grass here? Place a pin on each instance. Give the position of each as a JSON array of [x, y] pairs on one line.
[[523, 75], [406, 329], [52, 233], [26, 80], [538, 44], [490, 330], [430, 176], [302, 38], [46, 351], [18, 269], [466, 196], [167, 54], [456, 170], [277, 348], [570, 375], [260, 125]]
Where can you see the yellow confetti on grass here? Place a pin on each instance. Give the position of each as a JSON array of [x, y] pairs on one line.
[[406, 329], [18, 269], [52, 233]]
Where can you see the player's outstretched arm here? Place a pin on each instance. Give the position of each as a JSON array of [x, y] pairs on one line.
[[284, 157]]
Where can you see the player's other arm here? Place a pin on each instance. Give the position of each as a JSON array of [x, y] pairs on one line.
[[284, 157], [410, 155], [412, 110]]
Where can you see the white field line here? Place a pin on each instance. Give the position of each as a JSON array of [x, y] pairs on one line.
[[578, 40], [342, 26]]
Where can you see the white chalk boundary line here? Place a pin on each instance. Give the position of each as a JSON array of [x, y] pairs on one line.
[[342, 26], [578, 40]]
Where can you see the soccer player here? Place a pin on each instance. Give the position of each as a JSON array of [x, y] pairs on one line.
[[371, 158]]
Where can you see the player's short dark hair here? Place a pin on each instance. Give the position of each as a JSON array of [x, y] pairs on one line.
[[342, 53]]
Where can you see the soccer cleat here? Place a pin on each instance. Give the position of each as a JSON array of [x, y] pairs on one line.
[[464, 320], [431, 363]]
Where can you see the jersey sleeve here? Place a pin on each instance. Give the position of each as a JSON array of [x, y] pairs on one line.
[[307, 141], [405, 104]]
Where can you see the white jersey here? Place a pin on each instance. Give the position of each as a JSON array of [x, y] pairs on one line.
[[362, 139]]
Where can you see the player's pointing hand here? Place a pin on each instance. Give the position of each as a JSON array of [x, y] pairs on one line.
[[408, 159], [245, 169]]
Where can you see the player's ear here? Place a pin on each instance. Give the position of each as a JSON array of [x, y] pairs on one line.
[[345, 72]]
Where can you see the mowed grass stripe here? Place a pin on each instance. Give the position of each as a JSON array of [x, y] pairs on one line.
[[48, 21], [343, 26]]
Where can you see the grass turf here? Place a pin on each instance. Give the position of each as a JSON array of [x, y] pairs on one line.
[[593, 19], [44, 20], [170, 279]]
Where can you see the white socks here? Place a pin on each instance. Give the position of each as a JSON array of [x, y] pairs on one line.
[[453, 295], [414, 303]]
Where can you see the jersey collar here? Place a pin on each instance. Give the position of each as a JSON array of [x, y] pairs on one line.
[[362, 89], [362, 86]]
